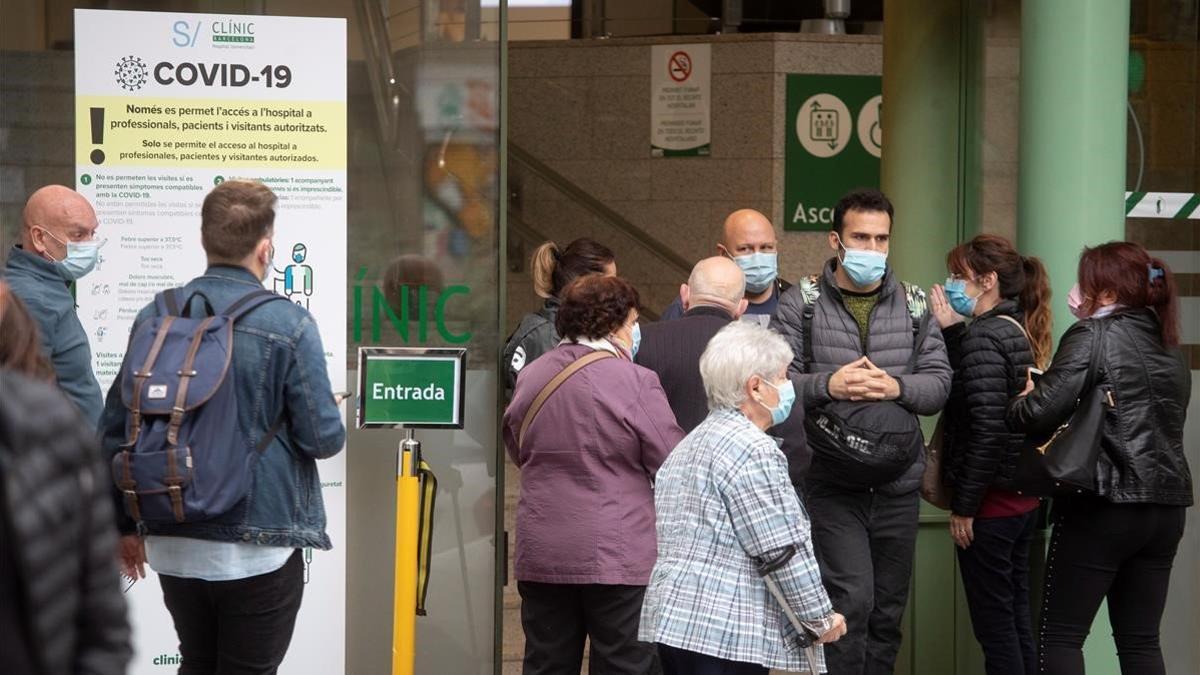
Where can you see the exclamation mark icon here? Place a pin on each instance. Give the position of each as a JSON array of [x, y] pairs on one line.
[[97, 134]]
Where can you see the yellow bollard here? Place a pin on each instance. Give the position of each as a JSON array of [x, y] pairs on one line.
[[404, 599]]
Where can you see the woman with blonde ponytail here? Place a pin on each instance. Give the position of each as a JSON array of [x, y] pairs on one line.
[[552, 268], [1007, 298]]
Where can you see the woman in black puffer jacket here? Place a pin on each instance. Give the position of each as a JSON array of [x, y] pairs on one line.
[[1120, 543], [1008, 297]]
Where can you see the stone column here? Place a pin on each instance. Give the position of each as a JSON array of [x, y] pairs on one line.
[[1071, 181]]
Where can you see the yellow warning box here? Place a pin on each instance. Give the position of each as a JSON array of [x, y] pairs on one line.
[[125, 131]]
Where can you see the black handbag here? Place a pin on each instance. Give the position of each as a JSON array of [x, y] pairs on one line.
[[1065, 464]]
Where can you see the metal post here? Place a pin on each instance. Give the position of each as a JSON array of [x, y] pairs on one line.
[[404, 598], [731, 16], [474, 20], [593, 18]]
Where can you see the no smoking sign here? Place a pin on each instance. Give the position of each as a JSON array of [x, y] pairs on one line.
[[679, 66]]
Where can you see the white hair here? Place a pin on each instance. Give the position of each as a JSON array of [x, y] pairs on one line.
[[736, 353]]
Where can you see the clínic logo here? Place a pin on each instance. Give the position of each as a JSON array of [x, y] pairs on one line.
[[131, 73]]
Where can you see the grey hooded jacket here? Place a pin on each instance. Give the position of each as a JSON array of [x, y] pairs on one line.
[[889, 344]]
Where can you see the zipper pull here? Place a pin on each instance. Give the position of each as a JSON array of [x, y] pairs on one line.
[[1109, 396]]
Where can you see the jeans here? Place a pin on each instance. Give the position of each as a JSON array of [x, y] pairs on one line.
[[557, 618], [1120, 551], [864, 543], [239, 627], [995, 575], [677, 661]]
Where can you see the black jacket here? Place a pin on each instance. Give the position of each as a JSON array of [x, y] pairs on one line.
[[990, 357], [534, 336], [1142, 458], [672, 349], [55, 501]]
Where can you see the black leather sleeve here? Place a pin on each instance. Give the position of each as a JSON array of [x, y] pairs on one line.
[[1055, 397]]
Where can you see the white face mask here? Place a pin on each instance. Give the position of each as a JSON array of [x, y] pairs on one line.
[[270, 264]]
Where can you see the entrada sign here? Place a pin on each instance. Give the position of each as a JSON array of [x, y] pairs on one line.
[[413, 387]]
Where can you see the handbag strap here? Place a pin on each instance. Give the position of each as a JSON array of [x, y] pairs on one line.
[[1018, 324], [556, 382], [1093, 361]]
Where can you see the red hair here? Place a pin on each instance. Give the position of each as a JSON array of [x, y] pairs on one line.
[[1136, 279]]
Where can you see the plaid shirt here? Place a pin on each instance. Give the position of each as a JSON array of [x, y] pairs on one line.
[[722, 499]]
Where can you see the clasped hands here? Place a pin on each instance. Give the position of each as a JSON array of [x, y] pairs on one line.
[[862, 380]]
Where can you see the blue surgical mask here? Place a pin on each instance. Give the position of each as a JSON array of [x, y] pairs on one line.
[[787, 397], [81, 257], [956, 294], [637, 340], [760, 269], [864, 267]]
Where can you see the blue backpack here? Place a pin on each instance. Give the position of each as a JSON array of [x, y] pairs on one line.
[[185, 458]]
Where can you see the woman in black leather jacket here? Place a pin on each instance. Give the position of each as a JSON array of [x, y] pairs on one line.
[[1120, 543], [552, 268], [1008, 297]]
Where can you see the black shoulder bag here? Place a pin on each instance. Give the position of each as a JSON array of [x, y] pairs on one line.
[[1065, 465]]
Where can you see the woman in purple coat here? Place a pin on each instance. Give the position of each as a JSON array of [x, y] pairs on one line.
[[588, 455]]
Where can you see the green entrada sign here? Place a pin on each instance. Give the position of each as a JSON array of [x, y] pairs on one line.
[[412, 387], [833, 144]]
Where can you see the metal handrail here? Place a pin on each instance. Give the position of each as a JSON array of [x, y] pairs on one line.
[[597, 208]]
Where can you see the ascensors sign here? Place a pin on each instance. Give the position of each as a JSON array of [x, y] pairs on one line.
[[413, 387]]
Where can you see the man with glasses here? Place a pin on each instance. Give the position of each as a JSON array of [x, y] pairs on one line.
[[58, 247]]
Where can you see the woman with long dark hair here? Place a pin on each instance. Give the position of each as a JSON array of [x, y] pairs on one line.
[[553, 268], [1007, 298], [1120, 541]]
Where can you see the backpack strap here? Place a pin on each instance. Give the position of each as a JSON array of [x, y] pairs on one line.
[[555, 383], [140, 376], [248, 302], [186, 373], [810, 292], [271, 433], [921, 328], [169, 302]]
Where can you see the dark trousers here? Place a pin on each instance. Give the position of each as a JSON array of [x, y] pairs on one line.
[[677, 661], [995, 575], [864, 543], [240, 627], [1120, 551], [557, 618]]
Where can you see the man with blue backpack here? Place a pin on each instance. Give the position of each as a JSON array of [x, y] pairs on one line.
[[212, 431]]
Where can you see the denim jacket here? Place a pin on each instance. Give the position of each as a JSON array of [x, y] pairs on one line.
[[279, 366], [37, 282]]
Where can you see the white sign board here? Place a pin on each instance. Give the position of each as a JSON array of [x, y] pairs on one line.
[[167, 106], [680, 100]]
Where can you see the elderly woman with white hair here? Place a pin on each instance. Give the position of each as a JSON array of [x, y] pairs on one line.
[[726, 511]]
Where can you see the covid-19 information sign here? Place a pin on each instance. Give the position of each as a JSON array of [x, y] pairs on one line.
[[167, 106]]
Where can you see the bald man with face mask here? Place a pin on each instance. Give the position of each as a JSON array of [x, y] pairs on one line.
[[713, 296], [749, 240], [58, 247]]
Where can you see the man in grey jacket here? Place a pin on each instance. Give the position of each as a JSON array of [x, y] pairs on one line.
[[863, 321], [58, 246]]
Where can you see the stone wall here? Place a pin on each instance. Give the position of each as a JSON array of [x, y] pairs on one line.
[[583, 108]]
